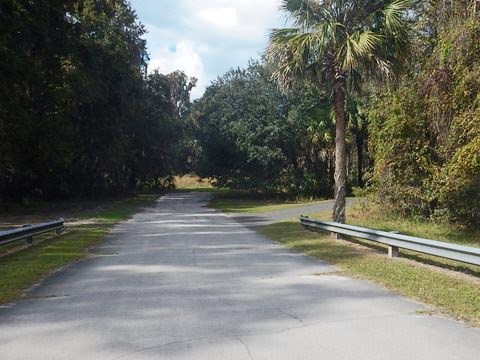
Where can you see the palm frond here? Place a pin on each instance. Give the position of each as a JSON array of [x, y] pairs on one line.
[[366, 41], [394, 15], [357, 47], [349, 38], [383, 66], [293, 52], [279, 35], [303, 13]]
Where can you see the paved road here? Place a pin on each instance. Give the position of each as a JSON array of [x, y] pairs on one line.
[[180, 281], [269, 217]]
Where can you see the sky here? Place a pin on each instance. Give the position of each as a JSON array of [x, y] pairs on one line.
[[206, 38]]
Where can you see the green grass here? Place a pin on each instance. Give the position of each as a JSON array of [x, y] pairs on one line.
[[449, 292], [242, 202], [21, 267]]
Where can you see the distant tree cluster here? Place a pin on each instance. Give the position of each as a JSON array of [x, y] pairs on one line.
[[78, 114], [251, 136], [334, 48]]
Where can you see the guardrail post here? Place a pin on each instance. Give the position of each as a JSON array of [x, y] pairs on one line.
[[30, 238], [337, 236], [393, 251]]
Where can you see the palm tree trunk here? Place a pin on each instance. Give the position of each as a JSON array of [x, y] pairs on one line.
[[359, 140], [340, 151]]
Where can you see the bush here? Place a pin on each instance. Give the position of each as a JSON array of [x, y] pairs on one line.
[[425, 134]]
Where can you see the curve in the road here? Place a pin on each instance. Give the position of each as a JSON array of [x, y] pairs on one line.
[[253, 219]]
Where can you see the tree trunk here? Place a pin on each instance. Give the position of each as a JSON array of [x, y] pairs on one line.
[[359, 141], [340, 151]]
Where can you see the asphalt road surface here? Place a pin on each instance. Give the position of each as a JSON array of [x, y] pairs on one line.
[[269, 217], [181, 281]]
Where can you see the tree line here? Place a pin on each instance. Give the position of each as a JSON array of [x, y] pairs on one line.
[[376, 94], [79, 116], [252, 136]]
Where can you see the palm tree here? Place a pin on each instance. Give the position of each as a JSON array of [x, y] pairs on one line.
[[338, 44]]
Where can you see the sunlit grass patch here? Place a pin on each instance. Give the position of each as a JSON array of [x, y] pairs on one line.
[[192, 183]]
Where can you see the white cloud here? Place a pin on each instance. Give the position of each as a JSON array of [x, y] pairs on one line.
[[205, 38], [222, 17], [246, 20], [185, 58]]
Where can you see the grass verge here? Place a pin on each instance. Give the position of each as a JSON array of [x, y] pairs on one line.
[[21, 267], [450, 293], [231, 201]]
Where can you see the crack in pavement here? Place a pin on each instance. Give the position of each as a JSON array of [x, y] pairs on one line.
[[325, 322], [289, 315], [49, 297], [246, 347], [238, 336], [171, 343]]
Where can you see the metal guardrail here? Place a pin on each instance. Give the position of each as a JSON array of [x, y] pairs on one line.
[[397, 241], [27, 232]]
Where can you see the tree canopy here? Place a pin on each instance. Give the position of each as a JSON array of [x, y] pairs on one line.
[[78, 114], [253, 137]]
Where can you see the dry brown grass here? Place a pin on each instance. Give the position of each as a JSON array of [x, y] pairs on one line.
[[192, 182]]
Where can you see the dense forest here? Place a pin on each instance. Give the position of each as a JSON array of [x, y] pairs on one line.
[[80, 116], [253, 137]]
